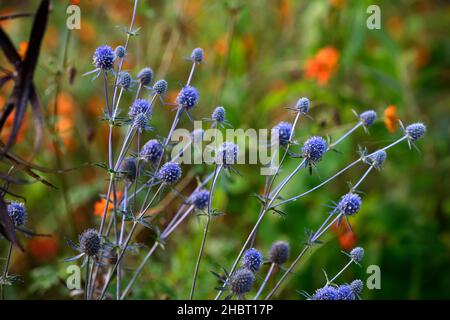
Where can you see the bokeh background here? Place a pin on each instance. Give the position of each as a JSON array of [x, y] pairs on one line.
[[261, 57]]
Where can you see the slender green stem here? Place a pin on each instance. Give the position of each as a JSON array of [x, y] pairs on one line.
[[5, 269]]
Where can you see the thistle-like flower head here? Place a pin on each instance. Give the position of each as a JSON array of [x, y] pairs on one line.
[[128, 169], [140, 106], [152, 151], [377, 158], [90, 242], [314, 149], [326, 293], [218, 114], [160, 87], [199, 199], [368, 117], [241, 282], [145, 76], [124, 80], [120, 51], [345, 292], [227, 154], [17, 213], [188, 97], [284, 130], [252, 260], [279, 252], [140, 121], [357, 254], [302, 105], [357, 286], [349, 204], [415, 131], [197, 55], [170, 173], [104, 58]]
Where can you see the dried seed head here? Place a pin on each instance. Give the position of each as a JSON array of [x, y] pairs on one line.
[[218, 114], [170, 172], [415, 131], [252, 260], [160, 87], [90, 242], [314, 149], [188, 97], [284, 130], [104, 58], [349, 204], [145, 76], [17, 213], [357, 254], [197, 55], [241, 282], [199, 199], [279, 252], [368, 117], [152, 151], [303, 105]]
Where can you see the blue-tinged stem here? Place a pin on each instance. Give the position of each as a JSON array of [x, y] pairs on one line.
[[266, 279]]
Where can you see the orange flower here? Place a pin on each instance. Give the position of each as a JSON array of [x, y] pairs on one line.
[[99, 206], [322, 66], [347, 240], [43, 248], [23, 47], [391, 118]]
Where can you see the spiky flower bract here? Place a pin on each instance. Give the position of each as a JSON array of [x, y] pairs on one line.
[[160, 87], [357, 254], [279, 252], [368, 117], [415, 131], [120, 51], [252, 260], [349, 204], [284, 130], [241, 282], [140, 121], [140, 106], [377, 158], [128, 169], [199, 199], [152, 151], [145, 76], [18, 213], [90, 242], [124, 80], [170, 173], [326, 293], [357, 286], [227, 154], [197, 55], [218, 114], [103, 58], [188, 97], [302, 105], [345, 292], [314, 149]]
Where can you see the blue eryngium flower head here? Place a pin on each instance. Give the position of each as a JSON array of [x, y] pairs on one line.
[[345, 292], [124, 80], [140, 121], [129, 169], [313, 149], [90, 242], [197, 55], [302, 105], [218, 114], [199, 199], [227, 154], [326, 293], [357, 286], [145, 76], [349, 204], [241, 282], [104, 58], [17, 213], [415, 131], [170, 173], [252, 260], [368, 117], [188, 97], [357, 254], [377, 158], [160, 87], [279, 252], [120, 51], [140, 106], [152, 151], [284, 130]]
